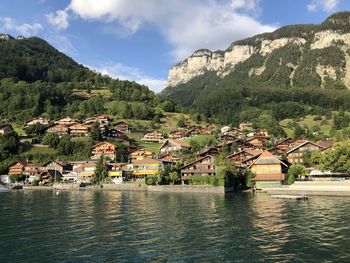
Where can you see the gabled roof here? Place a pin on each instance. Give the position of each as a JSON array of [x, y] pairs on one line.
[[101, 143], [196, 161], [206, 149], [267, 158], [302, 144], [178, 142], [146, 161]]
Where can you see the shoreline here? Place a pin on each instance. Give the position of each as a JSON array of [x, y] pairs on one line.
[[308, 192], [135, 187]]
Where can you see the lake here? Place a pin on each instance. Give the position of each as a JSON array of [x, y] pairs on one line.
[[101, 226]]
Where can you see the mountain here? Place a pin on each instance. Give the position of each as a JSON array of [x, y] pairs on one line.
[[32, 59], [291, 64]]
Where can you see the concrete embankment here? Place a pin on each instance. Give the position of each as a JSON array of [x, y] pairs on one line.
[[137, 187], [313, 188]]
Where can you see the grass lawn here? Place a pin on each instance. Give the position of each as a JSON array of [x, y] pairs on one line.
[[200, 138], [41, 150], [310, 122]]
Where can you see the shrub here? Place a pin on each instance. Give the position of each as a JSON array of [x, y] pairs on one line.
[[291, 179], [151, 180]]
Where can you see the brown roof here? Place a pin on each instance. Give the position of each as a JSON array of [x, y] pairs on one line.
[[267, 158], [146, 161]]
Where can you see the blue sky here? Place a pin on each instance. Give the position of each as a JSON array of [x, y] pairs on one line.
[[140, 40]]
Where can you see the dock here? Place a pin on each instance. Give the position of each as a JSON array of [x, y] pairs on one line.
[[293, 197]]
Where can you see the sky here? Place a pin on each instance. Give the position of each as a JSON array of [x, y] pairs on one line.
[[141, 39]]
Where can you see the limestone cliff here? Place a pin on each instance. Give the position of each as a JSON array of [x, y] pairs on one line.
[[311, 42]]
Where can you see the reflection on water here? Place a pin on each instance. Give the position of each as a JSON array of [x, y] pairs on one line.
[[85, 226]]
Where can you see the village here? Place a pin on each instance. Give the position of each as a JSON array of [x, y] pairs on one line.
[[249, 150]]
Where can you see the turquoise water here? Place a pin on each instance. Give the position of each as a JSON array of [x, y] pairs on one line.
[[96, 226]]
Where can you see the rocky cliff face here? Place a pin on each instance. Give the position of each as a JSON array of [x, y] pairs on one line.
[[310, 40]]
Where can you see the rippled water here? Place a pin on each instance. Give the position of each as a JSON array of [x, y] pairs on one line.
[[97, 226]]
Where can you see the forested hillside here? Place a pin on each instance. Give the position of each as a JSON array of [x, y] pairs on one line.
[[292, 72], [36, 79]]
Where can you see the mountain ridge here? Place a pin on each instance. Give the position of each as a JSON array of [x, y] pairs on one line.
[[308, 37]]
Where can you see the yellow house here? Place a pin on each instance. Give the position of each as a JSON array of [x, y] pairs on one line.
[[140, 154], [116, 172], [145, 167], [268, 170]]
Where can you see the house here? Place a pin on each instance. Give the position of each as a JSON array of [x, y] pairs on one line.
[[56, 166], [225, 129], [203, 166], [169, 157], [65, 121], [240, 158], [116, 172], [39, 120], [24, 167], [122, 126], [140, 154], [173, 146], [108, 150], [77, 129], [5, 129], [179, 134], [59, 129], [103, 121], [145, 167], [154, 136], [297, 155], [281, 147], [245, 125], [50, 177], [262, 132], [269, 170], [84, 170], [114, 134], [193, 131], [325, 144], [258, 141], [207, 151]]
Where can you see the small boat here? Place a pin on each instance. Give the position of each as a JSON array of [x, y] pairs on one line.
[[4, 190], [294, 197]]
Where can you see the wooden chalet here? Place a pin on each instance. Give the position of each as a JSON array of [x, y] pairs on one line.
[[114, 134], [269, 170], [6, 129], [39, 120], [243, 158], [84, 170], [23, 167], [173, 146], [245, 125], [122, 126], [154, 136], [66, 121], [296, 154], [49, 176], [203, 166], [193, 131], [281, 147], [59, 129], [79, 130], [169, 157], [179, 134], [258, 141], [140, 154], [207, 151], [108, 150], [262, 132]]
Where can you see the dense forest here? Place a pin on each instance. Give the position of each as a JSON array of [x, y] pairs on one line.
[[38, 80]]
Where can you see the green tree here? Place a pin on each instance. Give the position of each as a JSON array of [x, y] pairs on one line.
[[122, 154], [101, 171], [336, 159], [181, 122], [296, 171], [65, 146], [174, 177], [51, 139], [96, 132]]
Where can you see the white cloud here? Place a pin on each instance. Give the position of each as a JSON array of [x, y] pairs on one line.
[[325, 5], [8, 24], [123, 72], [186, 24], [59, 19]]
